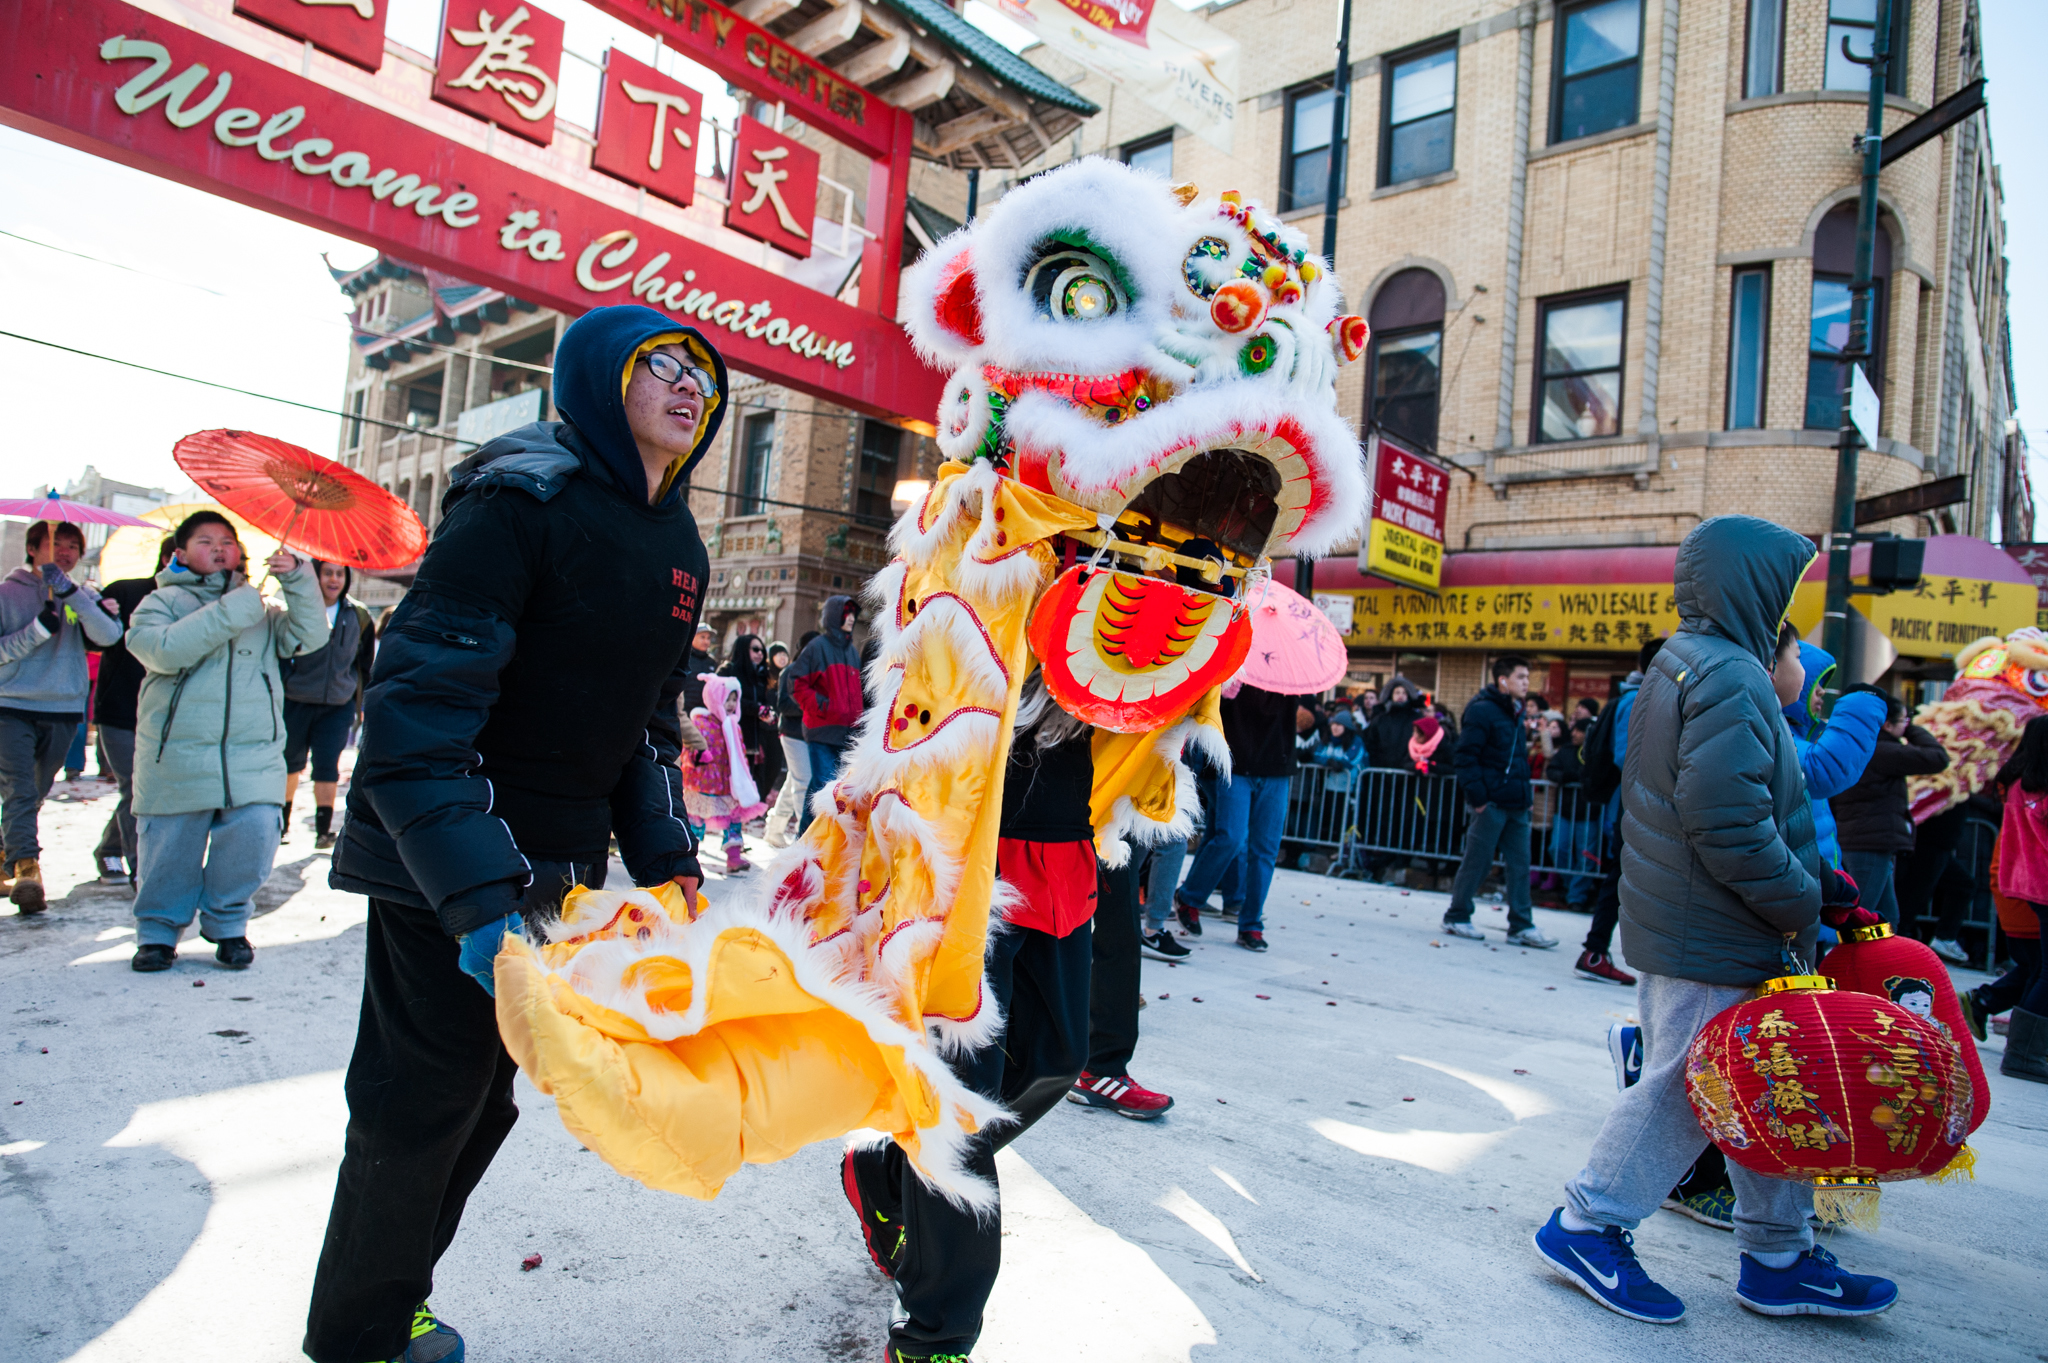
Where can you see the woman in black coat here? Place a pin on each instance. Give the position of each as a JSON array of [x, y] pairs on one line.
[[747, 664]]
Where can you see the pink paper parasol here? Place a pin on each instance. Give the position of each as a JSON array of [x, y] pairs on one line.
[[55, 508], [1296, 651]]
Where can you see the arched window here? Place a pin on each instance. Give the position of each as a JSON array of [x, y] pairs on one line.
[[404, 493], [426, 502], [1406, 372], [1834, 267]]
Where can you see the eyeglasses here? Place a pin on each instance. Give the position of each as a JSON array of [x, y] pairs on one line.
[[672, 371], [758, 652]]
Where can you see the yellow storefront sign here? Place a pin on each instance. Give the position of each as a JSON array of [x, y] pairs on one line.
[[1937, 619], [1402, 555], [1556, 618]]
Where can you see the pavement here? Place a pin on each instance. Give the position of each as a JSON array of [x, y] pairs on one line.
[[1370, 1122]]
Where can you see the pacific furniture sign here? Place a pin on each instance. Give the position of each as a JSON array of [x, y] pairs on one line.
[[117, 81]]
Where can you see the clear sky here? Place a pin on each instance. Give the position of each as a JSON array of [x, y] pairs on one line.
[[194, 284]]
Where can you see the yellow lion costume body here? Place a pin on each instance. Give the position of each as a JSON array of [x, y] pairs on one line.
[[1142, 410]]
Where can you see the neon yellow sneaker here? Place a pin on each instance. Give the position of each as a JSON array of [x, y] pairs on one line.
[[432, 1341]]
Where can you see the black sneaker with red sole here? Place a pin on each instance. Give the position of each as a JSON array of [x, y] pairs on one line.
[[1119, 1093], [1190, 918], [881, 1233]]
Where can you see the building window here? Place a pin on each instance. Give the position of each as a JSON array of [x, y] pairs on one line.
[[1405, 372], [1305, 166], [355, 411], [757, 442], [1418, 114], [1578, 383], [1834, 269], [1763, 51], [425, 506], [404, 493], [1598, 65], [1854, 22], [423, 401], [1154, 155], [1749, 325], [875, 482]]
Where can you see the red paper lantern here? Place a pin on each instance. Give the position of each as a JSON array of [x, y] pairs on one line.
[[1876, 960], [1834, 1088]]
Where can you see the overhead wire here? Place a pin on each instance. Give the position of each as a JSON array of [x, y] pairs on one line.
[[415, 430]]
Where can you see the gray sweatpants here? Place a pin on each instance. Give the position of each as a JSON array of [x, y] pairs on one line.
[[1651, 1136], [31, 752], [210, 862]]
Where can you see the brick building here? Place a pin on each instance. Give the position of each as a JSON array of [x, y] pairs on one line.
[[794, 500], [1604, 246]]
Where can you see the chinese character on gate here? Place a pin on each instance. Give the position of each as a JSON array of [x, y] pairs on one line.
[[647, 128], [500, 66], [352, 30], [774, 188]]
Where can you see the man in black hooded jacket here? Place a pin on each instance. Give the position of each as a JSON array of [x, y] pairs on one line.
[[500, 758]]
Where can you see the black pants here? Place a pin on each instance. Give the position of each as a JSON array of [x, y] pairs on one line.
[[2011, 988], [429, 1103], [1607, 903], [950, 1256], [1117, 976], [1921, 871]]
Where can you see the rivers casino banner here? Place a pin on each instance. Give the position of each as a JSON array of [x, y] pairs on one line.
[[1404, 541], [1182, 66]]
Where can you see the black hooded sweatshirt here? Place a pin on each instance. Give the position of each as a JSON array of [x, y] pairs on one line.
[[523, 708]]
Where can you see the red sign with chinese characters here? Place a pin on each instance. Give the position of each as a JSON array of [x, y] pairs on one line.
[[774, 188], [1405, 541], [91, 74], [647, 128], [352, 30], [2033, 560], [500, 61]]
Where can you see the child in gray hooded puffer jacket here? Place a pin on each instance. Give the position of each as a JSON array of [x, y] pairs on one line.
[[209, 738]]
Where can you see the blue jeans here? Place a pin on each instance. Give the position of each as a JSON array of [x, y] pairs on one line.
[[1161, 881], [1250, 812], [824, 766], [210, 862], [1575, 846], [1507, 830], [1872, 872]]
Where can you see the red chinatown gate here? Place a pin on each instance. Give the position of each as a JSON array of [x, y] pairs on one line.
[[135, 87]]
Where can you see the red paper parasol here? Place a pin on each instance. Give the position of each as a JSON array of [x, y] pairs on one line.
[[1296, 651], [55, 508], [306, 501]]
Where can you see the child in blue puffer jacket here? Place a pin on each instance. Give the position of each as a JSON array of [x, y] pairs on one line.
[[1832, 755]]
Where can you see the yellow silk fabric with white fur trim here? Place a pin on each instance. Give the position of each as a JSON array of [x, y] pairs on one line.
[[680, 1045]]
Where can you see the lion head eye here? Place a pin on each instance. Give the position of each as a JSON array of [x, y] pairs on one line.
[[1070, 285]]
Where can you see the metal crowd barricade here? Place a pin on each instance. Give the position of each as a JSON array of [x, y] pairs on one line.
[[1378, 815]]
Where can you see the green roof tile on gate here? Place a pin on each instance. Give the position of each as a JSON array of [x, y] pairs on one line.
[[957, 32]]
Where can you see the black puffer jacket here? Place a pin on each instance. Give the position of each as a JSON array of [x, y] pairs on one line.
[[1871, 816], [523, 707], [1387, 733], [1719, 854], [1493, 752]]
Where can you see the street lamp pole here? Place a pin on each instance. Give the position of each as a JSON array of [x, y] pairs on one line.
[[1835, 632], [1340, 149]]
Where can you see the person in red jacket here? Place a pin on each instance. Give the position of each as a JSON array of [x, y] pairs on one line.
[[825, 680]]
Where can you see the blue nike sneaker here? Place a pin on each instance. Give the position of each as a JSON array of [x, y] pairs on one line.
[[1815, 1285], [1625, 1049], [433, 1341], [1604, 1264]]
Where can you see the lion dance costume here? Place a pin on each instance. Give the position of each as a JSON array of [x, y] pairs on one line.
[[1143, 383]]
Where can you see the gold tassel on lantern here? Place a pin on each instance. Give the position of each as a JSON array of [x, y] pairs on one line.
[[1846, 1201], [1963, 1166]]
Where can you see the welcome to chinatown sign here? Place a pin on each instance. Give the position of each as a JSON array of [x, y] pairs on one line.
[[117, 81]]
